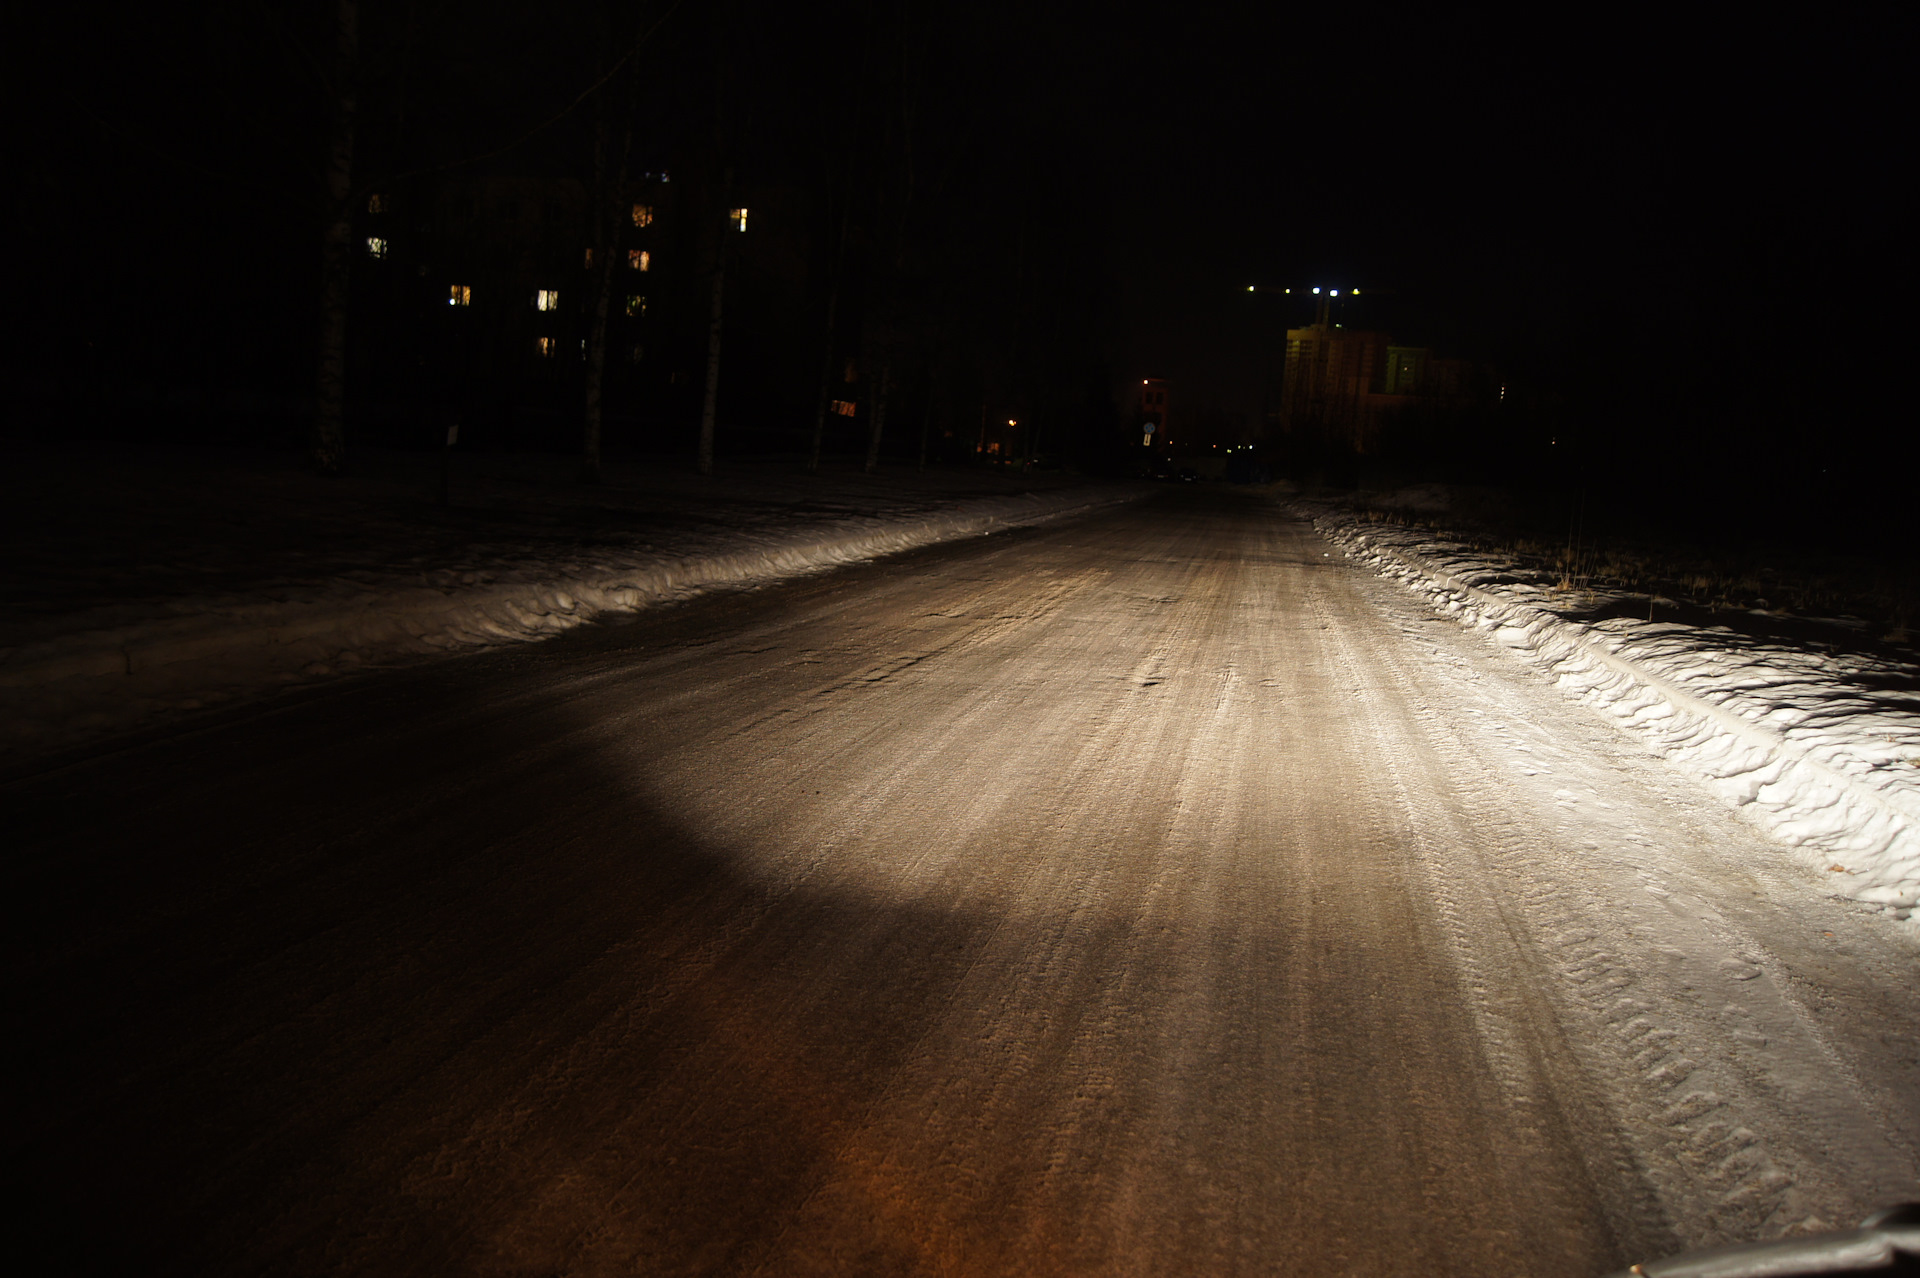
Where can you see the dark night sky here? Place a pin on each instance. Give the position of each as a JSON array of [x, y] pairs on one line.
[[1541, 196], [1687, 229]]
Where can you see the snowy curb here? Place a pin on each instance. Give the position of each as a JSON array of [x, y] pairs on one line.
[[214, 650], [1816, 785]]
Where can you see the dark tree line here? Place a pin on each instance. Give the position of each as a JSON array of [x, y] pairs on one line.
[[196, 179]]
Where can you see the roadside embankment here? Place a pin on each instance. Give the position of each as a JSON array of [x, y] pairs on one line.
[[290, 598], [1816, 744]]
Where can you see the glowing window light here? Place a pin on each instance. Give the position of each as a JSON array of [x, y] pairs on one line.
[[589, 259], [544, 347], [376, 246], [643, 215], [546, 299], [739, 216], [459, 295], [640, 259], [636, 305], [376, 203]]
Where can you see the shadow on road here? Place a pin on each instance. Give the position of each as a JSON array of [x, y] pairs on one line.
[[391, 980]]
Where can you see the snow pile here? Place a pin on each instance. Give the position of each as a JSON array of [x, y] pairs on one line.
[[60, 682], [1822, 749]]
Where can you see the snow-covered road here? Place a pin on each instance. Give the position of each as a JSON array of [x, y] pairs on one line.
[[1161, 892]]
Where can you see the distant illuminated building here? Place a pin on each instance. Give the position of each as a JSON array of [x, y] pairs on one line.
[[1329, 380], [1416, 370], [1406, 369], [1342, 386]]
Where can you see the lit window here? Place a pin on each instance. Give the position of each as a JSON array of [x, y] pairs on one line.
[[546, 300], [636, 305], [589, 259], [640, 259], [738, 216], [843, 407], [376, 204], [544, 346], [376, 247], [459, 295], [643, 215]]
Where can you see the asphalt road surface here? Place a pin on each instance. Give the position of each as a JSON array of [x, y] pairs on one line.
[[1159, 893]]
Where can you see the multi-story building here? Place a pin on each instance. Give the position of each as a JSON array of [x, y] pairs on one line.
[[1330, 376], [481, 294], [1341, 387]]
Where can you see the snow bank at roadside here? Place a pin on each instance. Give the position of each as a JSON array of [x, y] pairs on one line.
[[79, 684], [1811, 745]]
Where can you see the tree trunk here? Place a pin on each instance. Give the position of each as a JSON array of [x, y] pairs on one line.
[[604, 220], [600, 257], [926, 423], [596, 372], [328, 443], [836, 266], [878, 421], [713, 359], [826, 383], [604, 247]]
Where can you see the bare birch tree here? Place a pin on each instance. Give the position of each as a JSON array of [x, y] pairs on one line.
[[613, 117], [328, 442]]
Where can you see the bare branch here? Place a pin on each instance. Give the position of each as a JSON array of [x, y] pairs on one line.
[[558, 116]]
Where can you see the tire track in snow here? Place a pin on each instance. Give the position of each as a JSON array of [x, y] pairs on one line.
[[1692, 1126], [1821, 787], [1509, 1001]]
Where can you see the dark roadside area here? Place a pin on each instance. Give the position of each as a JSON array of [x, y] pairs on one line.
[[1793, 578], [121, 529], [139, 585]]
